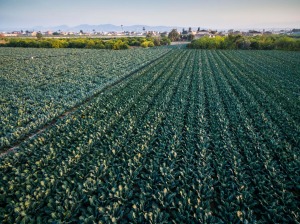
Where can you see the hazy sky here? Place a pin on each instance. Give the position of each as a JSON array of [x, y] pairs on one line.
[[220, 14]]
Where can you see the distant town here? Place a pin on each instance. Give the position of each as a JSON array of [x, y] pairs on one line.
[[197, 33]]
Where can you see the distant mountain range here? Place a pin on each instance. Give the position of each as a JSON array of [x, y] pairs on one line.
[[97, 28]]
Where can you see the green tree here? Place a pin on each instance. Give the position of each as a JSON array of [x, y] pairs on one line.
[[165, 41], [77, 43], [59, 44], [147, 44], [90, 44], [151, 44], [156, 41], [243, 43], [266, 42], [109, 44], [174, 35], [191, 37], [39, 35], [45, 44], [144, 44], [254, 45], [120, 45], [149, 35], [285, 43]]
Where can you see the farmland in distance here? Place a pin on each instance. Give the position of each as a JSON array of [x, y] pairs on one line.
[[149, 136]]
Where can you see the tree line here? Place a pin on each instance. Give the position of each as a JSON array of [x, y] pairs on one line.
[[91, 43], [264, 42], [174, 35]]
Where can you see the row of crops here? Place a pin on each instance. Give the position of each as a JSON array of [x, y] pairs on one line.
[[196, 136], [38, 86]]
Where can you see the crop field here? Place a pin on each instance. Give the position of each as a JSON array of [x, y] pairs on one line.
[[161, 135], [39, 85]]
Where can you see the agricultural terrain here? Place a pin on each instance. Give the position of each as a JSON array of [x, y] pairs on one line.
[[160, 135]]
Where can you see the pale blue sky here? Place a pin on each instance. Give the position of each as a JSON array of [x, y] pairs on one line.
[[221, 14]]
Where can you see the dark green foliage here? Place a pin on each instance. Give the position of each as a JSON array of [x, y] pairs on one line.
[[194, 136], [77, 43], [90, 43], [47, 81], [120, 45], [174, 35], [265, 42], [165, 41], [134, 42], [39, 35], [188, 37], [147, 43], [209, 43]]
